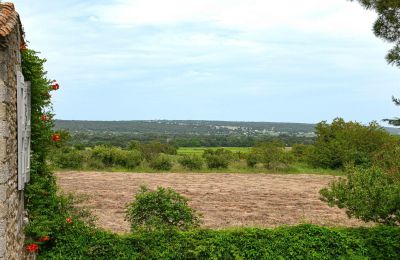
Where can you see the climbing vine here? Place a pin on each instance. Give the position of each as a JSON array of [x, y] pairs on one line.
[[48, 211]]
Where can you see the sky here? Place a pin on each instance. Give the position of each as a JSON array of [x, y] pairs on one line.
[[240, 60]]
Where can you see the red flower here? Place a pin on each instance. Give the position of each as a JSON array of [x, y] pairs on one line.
[[23, 46], [32, 248], [44, 118], [54, 85], [56, 137], [44, 239], [69, 220]]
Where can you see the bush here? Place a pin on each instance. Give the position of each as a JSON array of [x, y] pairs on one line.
[[191, 162], [69, 158], [162, 162], [160, 209], [219, 158], [340, 143], [153, 149], [111, 156], [271, 154], [252, 159], [388, 158], [301, 152], [368, 194], [296, 242]]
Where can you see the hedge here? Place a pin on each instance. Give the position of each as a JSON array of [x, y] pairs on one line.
[[297, 242]]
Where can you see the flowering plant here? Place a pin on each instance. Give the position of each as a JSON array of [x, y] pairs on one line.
[[56, 137], [54, 85], [32, 248]]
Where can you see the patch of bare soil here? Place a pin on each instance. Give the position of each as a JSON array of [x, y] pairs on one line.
[[224, 200]]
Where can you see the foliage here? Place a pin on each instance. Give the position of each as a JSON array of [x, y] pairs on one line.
[[301, 152], [342, 143], [154, 148], [394, 121], [113, 156], [191, 162], [47, 209], [68, 158], [387, 26], [252, 159], [369, 194], [271, 154], [219, 158], [161, 162], [388, 158], [298, 242], [160, 209]]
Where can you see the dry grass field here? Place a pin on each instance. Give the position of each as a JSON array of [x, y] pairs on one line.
[[224, 200]]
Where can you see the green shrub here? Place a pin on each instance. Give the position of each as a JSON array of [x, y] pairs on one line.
[[68, 158], [162, 162], [154, 148], [160, 209], [368, 194], [296, 242], [301, 152], [96, 164], [347, 143], [271, 154], [191, 162], [252, 159], [111, 156], [388, 158], [219, 158]]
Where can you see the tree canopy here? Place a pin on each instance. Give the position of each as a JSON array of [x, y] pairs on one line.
[[387, 26]]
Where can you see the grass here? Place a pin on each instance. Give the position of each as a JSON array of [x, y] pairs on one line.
[[234, 167], [200, 150]]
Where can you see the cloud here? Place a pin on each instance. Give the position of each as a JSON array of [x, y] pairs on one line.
[[260, 60], [248, 15]]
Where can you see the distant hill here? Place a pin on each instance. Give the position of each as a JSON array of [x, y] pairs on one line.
[[191, 127]]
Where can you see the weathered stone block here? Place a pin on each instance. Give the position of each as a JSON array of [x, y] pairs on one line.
[[4, 173], [3, 244], [3, 149], [4, 97], [3, 193], [3, 111], [4, 130], [3, 210]]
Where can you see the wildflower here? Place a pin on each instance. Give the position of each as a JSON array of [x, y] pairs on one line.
[[44, 239], [69, 220], [56, 137], [44, 118], [32, 248], [54, 85], [23, 46]]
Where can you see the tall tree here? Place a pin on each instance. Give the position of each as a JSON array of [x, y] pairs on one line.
[[394, 121], [387, 26]]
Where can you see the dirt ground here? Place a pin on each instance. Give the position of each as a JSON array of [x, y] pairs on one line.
[[225, 200]]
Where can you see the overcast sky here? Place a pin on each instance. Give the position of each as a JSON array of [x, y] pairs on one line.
[[254, 60]]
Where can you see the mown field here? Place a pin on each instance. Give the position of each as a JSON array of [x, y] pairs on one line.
[[224, 200]]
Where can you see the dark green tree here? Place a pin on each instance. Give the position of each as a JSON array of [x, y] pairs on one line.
[[395, 121], [387, 26]]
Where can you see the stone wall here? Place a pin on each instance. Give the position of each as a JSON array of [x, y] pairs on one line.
[[11, 200]]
